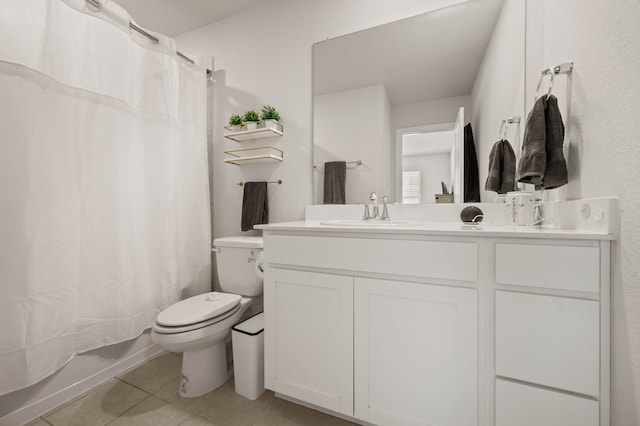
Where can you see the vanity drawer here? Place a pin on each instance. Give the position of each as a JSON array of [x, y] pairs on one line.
[[550, 341], [522, 405], [548, 266], [423, 259]]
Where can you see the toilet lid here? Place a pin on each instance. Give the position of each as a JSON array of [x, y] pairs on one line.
[[197, 309]]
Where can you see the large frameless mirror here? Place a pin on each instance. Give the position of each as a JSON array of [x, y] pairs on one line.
[[392, 101]]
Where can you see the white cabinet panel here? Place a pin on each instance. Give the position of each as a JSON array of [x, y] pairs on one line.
[[424, 259], [552, 341], [521, 405], [309, 337], [416, 354], [548, 266]]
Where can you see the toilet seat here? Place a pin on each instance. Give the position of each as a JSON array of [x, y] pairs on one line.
[[196, 312], [161, 329]]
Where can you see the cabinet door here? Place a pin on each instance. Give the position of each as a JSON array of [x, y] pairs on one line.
[[309, 337], [416, 353]]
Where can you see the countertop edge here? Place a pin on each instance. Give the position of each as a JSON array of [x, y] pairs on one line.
[[439, 229]]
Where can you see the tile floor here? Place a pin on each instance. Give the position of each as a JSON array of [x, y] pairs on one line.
[[148, 395]]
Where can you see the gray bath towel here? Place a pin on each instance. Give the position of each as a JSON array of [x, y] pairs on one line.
[[532, 164], [255, 207], [555, 174], [335, 176], [502, 168]]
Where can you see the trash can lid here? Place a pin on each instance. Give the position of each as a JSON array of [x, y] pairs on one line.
[[251, 326]]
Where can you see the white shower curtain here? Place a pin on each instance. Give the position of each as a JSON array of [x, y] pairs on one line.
[[104, 198]]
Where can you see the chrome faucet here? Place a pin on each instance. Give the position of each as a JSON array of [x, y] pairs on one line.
[[374, 211], [366, 215], [385, 212], [374, 214]]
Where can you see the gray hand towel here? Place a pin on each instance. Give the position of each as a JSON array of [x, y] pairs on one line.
[[335, 176], [255, 207], [555, 174], [532, 164], [502, 168]]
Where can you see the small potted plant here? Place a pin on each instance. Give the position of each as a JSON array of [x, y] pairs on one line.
[[251, 118], [270, 117], [235, 122]]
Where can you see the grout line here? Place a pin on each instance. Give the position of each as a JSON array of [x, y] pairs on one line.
[[129, 409], [140, 364], [73, 400], [91, 391], [132, 385]]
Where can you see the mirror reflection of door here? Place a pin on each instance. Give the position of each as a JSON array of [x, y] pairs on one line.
[[428, 161], [426, 164]]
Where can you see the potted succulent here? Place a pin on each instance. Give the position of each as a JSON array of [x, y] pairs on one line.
[[251, 118], [235, 122], [270, 117]]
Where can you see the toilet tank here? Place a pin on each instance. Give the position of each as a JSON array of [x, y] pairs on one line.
[[236, 263]]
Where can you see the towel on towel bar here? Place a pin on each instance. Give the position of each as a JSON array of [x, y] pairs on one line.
[[471, 178], [533, 161], [255, 207], [502, 168], [555, 173], [335, 177], [542, 162]]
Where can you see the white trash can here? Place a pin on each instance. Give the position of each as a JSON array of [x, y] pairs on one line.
[[248, 356]]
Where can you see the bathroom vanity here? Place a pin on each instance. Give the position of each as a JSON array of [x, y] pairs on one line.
[[440, 324]]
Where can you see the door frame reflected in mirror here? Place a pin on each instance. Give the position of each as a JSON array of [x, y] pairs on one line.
[[400, 141], [456, 151]]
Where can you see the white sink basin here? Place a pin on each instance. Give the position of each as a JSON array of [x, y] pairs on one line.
[[371, 223]]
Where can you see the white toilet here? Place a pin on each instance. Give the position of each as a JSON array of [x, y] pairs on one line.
[[200, 325]]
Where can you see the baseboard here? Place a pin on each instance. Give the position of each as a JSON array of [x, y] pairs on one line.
[[37, 408]]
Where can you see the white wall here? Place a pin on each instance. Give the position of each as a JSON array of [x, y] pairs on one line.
[[353, 125], [264, 56], [600, 104], [434, 168], [498, 91]]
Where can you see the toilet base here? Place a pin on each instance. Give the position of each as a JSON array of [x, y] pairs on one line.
[[203, 370], [204, 353]]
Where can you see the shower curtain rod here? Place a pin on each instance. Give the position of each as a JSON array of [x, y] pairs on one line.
[[95, 5], [155, 40]]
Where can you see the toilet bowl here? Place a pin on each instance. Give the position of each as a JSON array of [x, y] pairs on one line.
[[200, 325]]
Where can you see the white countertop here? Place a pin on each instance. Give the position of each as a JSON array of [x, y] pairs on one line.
[[437, 228]]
